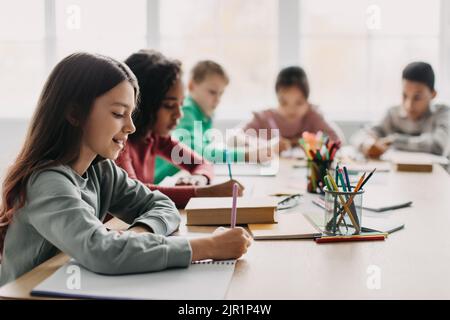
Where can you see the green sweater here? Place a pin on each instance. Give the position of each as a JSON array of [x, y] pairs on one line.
[[64, 212], [191, 131]]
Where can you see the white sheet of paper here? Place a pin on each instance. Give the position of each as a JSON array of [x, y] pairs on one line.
[[189, 283]]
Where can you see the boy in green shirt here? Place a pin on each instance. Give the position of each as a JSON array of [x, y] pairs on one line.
[[206, 86]]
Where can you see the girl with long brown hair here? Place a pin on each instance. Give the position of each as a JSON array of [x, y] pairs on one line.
[[64, 182]]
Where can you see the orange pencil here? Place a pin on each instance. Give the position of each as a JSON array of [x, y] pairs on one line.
[[350, 200]]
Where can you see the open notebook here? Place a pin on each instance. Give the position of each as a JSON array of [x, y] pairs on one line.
[[289, 226], [202, 280], [398, 156]]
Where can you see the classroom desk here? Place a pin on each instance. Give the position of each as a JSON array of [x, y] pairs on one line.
[[413, 263]]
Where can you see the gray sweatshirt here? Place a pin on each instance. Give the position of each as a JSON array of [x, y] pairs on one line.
[[431, 133], [64, 212]]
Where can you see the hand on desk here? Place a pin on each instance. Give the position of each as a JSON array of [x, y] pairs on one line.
[[223, 244], [379, 147], [224, 189], [193, 180]]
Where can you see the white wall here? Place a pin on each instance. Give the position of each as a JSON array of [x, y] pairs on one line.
[[13, 133]]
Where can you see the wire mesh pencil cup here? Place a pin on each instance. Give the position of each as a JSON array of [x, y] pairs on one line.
[[316, 170], [343, 212]]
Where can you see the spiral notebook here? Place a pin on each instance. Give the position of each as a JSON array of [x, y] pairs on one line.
[[202, 280]]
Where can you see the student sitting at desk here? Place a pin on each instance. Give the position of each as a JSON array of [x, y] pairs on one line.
[[158, 111], [294, 114], [64, 182], [207, 84], [415, 125]]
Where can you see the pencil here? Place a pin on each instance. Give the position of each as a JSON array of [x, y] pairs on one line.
[[227, 155], [341, 179], [343, 203], [368, 177], [347, 179], [358, 186], [233, 207]]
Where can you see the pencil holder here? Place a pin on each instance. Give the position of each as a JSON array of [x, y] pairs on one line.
[[343, 212], [316, 170]]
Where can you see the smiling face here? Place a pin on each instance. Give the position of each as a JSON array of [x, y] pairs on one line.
[[109, 123], [208, 92], [293, 104], [170, 111], [416, 98]]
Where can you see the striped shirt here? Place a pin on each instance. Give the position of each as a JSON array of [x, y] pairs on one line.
[[430, 133]]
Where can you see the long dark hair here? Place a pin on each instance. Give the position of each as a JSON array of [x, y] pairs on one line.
[[52, 137], [156, 74]]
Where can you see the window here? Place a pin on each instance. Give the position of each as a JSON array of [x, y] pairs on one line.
[[241, 35], [354, 51], [29, 48], [22, 71], [116, 28]]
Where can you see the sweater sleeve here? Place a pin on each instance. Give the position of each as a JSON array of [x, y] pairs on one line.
[[384, 127], [436, 141], [132, 202], [59, 214], [367, 136]]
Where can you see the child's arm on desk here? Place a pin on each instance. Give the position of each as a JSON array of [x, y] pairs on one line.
[[223, 244]]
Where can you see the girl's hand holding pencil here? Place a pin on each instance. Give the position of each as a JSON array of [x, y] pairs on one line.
[[225, 243]]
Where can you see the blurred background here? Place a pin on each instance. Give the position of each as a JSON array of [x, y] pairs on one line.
[[352, 50]]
